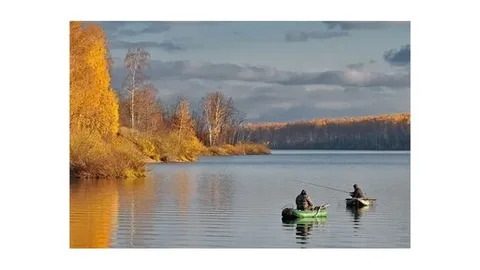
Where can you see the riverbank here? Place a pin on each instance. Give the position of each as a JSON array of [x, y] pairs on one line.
[[237, 149], [125, 154]]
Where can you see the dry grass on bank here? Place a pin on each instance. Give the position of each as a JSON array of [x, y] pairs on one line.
[[237, 149]]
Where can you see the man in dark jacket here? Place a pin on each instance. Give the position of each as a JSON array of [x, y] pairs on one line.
[[303, 201], [357, 193]]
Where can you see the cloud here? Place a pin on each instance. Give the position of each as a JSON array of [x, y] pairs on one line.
[[112, 26], [127, 32], [356, 66], [184, 70], [399, 57], [296, 36], [366, 25], [291, 103], [205, 70], [134, 28], [156, 27], [349, 77], [360, 66], [275, 102], [167, 46]]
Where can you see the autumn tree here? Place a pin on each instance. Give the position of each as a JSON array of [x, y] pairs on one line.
[[182, 121], [149, 112], [181, 141], [96, 150], [93, 103], [136, 63]]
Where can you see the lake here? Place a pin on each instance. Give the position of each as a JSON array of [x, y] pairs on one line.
[[236, 202]]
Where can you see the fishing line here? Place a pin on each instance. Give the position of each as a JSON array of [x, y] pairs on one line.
[[321, 186]]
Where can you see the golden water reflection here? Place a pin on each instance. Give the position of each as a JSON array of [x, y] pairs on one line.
[[184, 187], [93, 213]]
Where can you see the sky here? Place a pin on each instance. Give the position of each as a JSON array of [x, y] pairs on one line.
[[274, 71]]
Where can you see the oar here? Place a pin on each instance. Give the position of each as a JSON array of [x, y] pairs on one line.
[[322, 186]]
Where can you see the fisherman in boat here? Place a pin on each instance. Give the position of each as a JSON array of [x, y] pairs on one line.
[[303, 201], [357, 193]]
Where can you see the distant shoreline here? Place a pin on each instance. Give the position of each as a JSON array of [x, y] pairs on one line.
[[339, 149]]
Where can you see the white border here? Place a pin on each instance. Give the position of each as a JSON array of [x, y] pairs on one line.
[[34, 135]]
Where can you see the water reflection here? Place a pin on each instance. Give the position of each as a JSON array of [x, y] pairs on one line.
[[218, 190], [357, 213], [137, 197], [304, 228], [218, 205], [183, 189], [93, 213]]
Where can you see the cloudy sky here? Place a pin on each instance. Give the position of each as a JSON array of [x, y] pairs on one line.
[[275, 71]]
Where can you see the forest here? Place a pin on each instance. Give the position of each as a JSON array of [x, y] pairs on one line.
[[380, 132], [114, 132]]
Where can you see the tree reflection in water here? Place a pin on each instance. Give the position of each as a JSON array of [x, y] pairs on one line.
[[93, 212], [218, 190], [183, 190]]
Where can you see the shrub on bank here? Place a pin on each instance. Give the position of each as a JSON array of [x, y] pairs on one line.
[[142, 141], [237, 149], [174, 147], [95, 156], [254, 148]]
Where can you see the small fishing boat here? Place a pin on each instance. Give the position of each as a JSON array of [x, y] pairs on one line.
[[359, 202], [317, 212]]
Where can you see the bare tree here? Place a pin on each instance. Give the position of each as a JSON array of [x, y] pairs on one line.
[[200, 123], [216, 111], [219, 121], [136, 63], [237, 119]]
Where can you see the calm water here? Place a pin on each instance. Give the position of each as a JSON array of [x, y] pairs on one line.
[[222, 202]]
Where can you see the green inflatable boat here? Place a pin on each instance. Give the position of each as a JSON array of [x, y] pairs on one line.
[[310, 213], [319, 211]]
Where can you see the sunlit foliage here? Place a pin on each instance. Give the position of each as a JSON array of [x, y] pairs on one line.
[[96, 150], [238, 149], [93, 104]]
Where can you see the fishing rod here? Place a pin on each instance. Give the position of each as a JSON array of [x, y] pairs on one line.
[[321, 186]]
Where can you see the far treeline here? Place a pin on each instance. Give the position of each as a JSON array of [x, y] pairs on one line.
[[382, 132], [113, 133]]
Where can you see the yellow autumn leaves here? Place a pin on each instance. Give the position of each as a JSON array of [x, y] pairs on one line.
[[93, 104], [95, 148]]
